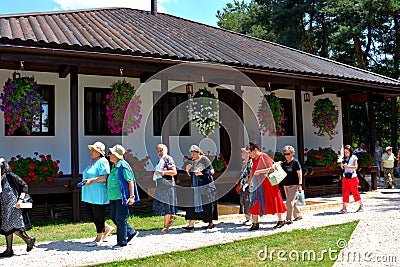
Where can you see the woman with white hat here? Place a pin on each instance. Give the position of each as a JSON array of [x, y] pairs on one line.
[[94, 192], [122, 192]]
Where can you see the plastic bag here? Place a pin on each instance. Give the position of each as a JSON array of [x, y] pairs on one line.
[[301, 199]]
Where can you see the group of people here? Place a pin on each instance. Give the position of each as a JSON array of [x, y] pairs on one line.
[[102, 186], [116, 186], [258, 197]]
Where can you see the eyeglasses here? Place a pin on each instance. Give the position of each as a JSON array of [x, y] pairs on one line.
[[286, 154], [161, 150], [194, 151]]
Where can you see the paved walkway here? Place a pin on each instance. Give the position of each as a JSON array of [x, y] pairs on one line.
[[377, 236]]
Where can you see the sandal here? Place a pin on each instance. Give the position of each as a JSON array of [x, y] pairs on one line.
[[164, 231], [107, 232], [173, 219]]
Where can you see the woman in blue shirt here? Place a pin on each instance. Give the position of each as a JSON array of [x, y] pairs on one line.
[[94, 192]]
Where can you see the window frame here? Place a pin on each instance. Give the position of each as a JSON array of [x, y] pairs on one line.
[[159, 116], [103, 92]]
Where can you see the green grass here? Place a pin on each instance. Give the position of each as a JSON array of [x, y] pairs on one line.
[[244, 253], [63, 230]]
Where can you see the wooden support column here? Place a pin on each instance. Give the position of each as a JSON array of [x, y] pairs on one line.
[[299, 124], [371, 125], [165, 131], [239, 111], [346, 120], [394, 136], [74, 116], [371, 143]]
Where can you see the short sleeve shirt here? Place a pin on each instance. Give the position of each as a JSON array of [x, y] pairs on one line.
[[291, 169], [388, 160], [114, 191], [351, 162], [96, 192]]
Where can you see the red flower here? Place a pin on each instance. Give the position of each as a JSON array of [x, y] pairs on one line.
[[48, 157], [12, 166], [329, 167], [31, 174], [45, 168], [27, 179], [49, 179], [13, 158], [34, 177], [18, 156], [317, 156], [32, 166]]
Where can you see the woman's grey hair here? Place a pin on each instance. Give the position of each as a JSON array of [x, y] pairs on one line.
[[289, 148]]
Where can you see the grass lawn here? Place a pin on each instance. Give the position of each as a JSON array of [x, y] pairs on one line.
[[297, 245], [62, 230]]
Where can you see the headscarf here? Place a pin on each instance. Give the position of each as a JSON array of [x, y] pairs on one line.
[[160, 163]]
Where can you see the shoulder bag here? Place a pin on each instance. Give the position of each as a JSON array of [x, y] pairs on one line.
[[277, 175]]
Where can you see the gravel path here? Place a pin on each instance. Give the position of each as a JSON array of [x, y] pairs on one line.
[[377, 233]]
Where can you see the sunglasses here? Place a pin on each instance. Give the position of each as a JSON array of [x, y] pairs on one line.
[[194, 151], [286, 154], [161, 150]]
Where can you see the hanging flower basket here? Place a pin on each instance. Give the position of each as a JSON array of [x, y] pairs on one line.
[[123, 108], [204, 111], [271, 116], [325, 116], [21, 104]]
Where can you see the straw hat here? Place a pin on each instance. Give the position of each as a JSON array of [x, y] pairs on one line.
[[118, 151], [388, 148], [99, 147]]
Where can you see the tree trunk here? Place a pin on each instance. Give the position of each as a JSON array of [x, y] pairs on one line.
[[359, 52]]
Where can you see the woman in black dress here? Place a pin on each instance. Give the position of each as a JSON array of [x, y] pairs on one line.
[[204, 191], [14, 220]]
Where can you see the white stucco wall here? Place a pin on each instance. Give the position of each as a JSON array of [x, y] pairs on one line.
[[142, 142]]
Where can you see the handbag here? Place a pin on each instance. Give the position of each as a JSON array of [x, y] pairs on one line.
[[348, 175], [277, 175]]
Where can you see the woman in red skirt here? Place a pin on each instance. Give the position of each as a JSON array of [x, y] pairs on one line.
[[266, 199]]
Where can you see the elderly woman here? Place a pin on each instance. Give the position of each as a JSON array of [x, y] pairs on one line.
[[265, 199], [205, 193], [14, 220], [122, 192], [245, 194], [350, 179], [94, 191], [165, 202], [292, 183]]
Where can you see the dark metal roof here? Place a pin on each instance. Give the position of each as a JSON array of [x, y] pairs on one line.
[[136, 32]]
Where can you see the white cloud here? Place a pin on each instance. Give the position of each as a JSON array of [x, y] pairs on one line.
[[137, 4]]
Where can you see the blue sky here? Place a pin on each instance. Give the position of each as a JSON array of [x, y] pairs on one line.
[[203, 11]]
